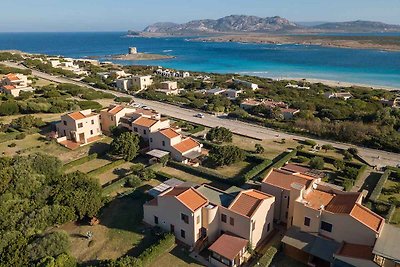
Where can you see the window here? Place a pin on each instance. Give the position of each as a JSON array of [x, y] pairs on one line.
[[112, 118], [65, 122], [144, 132], [163, 143], [198, 219], [253, 225], [155, 219], [151, 140], [286, 215], [92, 121], [80, 125], [91, 132], [231, 221], [172, 228], [307, 221], [185, 218], [268, 227], [223, 218], [288, 202], [326, 226], [135, 129], [183, 234]]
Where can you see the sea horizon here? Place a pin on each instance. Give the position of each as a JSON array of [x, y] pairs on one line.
[[359, 66]]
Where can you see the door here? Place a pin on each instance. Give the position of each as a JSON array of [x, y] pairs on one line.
[[172, 228], [82, 138]]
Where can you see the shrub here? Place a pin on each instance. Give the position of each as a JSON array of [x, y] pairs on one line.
[[257, 169], [155, 251], [348, 184], [378, 188], [133, 181], [347, 155], [226, 155], [12, 145], [219, 134], [123, 99], [267, 258], [20, 136], [259, 149], [107, 167], [300, 159], [309, 142], [317, 163]]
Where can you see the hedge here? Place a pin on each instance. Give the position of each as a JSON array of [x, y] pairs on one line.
[[156, 250], [390, 213], [107, 167], [162, 176], [257, 169], [197, 129], [328, 159], [205, 173], [278, 162], [267, 258], [80, 161], [113, 186], [378, 188]]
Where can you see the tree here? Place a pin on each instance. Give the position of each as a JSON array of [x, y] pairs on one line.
[[327, 147], [259, 149], [164, 160], [350, 173], [317, 163], [225, 155], [126, 145], [52, 244], [80, 192], [219, 134], [147, 174], [347, 155], [339, 164], [133, 181], [353, 151]]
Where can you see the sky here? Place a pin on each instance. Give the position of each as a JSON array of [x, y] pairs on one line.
[[122, 15]]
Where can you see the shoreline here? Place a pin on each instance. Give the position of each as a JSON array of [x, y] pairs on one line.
[[140, 57]]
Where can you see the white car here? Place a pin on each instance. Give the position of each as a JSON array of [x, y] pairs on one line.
[[199, 115]]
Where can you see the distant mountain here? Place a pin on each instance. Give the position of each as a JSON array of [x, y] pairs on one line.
[[357, 26], [243, 24], [233, 23]]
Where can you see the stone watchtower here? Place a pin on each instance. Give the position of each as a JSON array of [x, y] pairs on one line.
[[132, 50]]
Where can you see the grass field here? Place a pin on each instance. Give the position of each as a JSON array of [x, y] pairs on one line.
[[120, 232], [234, 170], [177, 257], [91, 165], [182, 175], [110, 175]]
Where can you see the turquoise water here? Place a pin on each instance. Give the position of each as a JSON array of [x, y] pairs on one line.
[[279, 61]]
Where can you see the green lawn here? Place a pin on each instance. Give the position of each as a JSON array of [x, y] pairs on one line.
[[176, 257], [388, 185], [182, 175], [110, 175], [90, 166]]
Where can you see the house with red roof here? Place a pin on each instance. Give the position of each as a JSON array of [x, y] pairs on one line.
[[111, 116], [13, 84], [79, 128], [203, 216], [182, 149]]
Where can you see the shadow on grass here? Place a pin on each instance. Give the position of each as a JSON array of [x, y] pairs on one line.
[[100, 148], [182, 254], [370, 182]]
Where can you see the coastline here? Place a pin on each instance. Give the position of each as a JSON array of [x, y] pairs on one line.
[[349, 42], [140, 56]]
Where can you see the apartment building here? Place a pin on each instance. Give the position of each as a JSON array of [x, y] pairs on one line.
[[182, 149], [203, 215], [111, 117], [326, 226], [247, 84], [13, 84], [79, 128], [134, 82]]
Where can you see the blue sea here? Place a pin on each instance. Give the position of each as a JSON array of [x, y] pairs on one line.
[[374, 67]]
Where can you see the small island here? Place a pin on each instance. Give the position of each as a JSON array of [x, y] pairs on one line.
[[133, 54]]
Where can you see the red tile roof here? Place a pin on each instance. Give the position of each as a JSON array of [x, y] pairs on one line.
[[284, 179], [170, 133], [188, 196], [356, 251], [186, 145], [9, 87], [296, 168], [343, 203], [317, 198], [367, 217], [79, 115], [228, 246], [115, 110], [247, 202], [145, 122], [12, 77]]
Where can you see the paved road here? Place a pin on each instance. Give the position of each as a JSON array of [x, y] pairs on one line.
[[373, 156]]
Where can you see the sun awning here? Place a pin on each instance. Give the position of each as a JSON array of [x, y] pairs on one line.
[[192, 155], [157, 153]]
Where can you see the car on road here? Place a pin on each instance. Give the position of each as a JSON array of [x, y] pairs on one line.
[[199, 115]]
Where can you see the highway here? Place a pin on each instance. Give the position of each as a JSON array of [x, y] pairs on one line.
[[373, 156]]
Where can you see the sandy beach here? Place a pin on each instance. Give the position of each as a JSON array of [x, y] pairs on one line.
[[140, 56]]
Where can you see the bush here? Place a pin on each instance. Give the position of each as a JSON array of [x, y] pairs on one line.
[[378, 188], [300, 159], [348, 184], [259, 149], [123, 99], [226, 155], [133, 181], [12, 145], [20, 136], [317, 163], [125, 145], [267, 258], [309, 142], [281, 160]]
